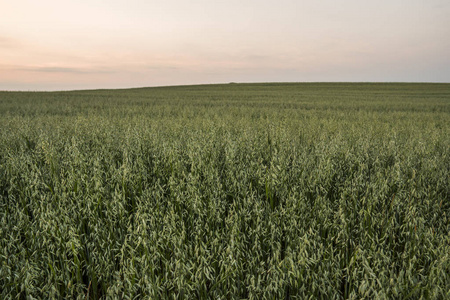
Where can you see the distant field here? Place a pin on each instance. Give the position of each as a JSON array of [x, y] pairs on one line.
[[258, 191]]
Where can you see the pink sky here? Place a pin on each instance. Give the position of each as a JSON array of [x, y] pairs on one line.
[[54, 45]]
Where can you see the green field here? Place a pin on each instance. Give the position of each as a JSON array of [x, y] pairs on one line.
[[258, 191]]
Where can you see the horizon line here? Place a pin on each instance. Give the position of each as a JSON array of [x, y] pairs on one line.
[[225, 83]]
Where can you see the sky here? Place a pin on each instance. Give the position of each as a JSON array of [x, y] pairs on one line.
[[89, 44]]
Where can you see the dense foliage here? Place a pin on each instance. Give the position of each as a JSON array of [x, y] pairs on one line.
[[259, 191]]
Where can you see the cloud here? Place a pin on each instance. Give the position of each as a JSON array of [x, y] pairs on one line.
[[66, 70], [161, 67]]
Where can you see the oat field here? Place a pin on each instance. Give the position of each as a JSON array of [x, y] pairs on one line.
[[234, 191]]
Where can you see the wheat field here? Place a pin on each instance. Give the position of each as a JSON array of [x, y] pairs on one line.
[[234, 191]]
